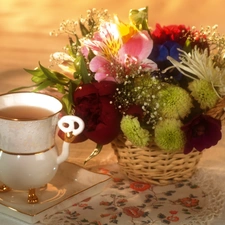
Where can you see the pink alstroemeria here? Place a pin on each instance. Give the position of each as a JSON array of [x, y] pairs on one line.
[[103, 69], [138, 47], [106, 41], [115, 59]]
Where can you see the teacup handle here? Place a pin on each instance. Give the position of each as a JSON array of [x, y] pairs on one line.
[[70, 120], [66, 124]]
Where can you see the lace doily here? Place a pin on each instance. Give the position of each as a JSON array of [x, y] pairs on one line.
[[194, 202]]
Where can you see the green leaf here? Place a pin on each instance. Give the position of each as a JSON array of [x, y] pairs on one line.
[[62, 78], [91, 23], [187, 46], [83, 29], [72, 48], [68, 98], [72, 88], [37, 75], [53, 76], [35, 72], [43, 85], [23, 87], [60, 88], [139, 17], [67, 105], [91, 55], [39, 79], [77, 80], [81, 68]]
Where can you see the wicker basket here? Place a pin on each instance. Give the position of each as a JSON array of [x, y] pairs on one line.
[[152, 165]]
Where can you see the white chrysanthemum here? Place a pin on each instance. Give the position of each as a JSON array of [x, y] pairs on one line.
[[199, 65]]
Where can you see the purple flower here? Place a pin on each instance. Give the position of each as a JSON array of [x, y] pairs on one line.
[[202, 132], [159, 56]]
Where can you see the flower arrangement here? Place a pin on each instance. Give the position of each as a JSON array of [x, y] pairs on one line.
[[153, 85]]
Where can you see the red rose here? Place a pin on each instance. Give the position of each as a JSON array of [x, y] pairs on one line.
[[176, 33], [133, 211], [179, 34], [93, 104]]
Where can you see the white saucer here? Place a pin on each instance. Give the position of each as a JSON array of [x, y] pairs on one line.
[[70, 185]]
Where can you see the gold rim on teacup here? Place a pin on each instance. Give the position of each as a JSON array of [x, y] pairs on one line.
[[23, 153]]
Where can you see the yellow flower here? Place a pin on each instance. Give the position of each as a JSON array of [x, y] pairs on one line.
[[126, 30]]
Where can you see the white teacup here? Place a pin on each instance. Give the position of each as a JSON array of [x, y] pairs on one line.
[[28, 154]]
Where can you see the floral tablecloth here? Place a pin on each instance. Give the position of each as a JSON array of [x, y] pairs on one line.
[[196, 201]]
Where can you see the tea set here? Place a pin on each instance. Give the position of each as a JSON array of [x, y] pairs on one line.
[[29, 157]]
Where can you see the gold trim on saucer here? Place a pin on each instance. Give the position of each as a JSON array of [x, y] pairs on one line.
[[23, 153], [32, 197], [4, 188], [68, 196]]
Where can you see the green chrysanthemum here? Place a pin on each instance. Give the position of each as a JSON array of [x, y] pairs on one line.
[[174, 102], [204, 93], [134, 132], [168, 135]]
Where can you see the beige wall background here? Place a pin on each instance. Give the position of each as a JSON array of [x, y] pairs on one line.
[[42, 15], [25, 40], [25, 26]]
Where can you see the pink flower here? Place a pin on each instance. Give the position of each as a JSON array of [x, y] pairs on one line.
[[103, 69], [138, 47], [104, 42], [114, 59]]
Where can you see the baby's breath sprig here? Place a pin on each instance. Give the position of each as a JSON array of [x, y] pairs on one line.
[[216, 43], [141, 90], [85, 26]]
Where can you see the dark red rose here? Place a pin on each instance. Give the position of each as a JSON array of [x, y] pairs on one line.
[[136, 111], [94, 104], [202, 132]]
